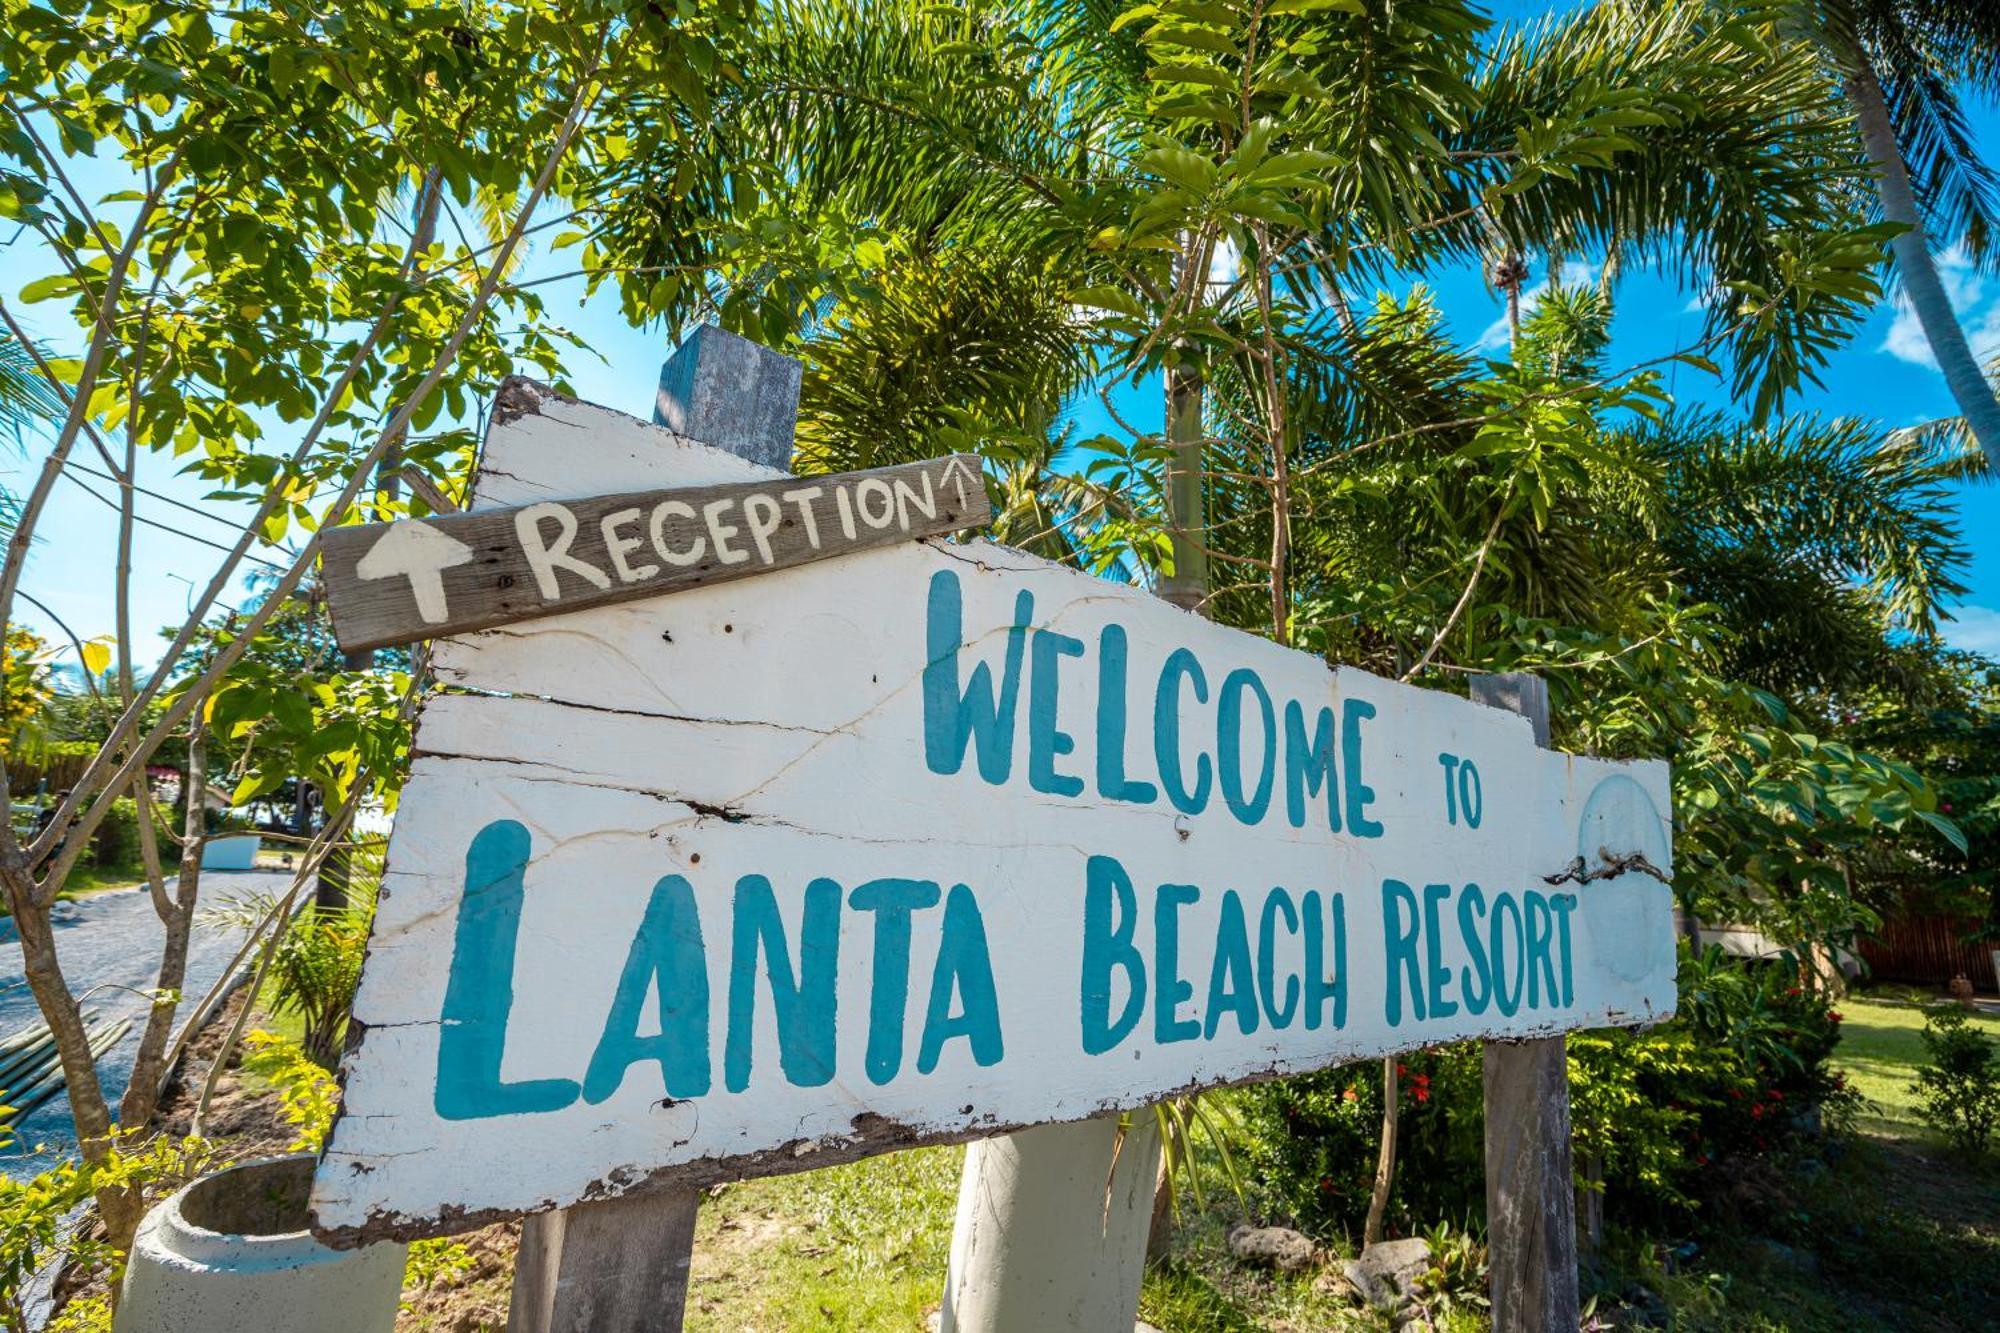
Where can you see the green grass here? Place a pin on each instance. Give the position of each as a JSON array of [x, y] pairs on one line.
[[1899, 1235], [851, 1247], [1880, 1050], [89, 879]]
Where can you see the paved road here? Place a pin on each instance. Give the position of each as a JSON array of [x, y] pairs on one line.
[[112, 939]]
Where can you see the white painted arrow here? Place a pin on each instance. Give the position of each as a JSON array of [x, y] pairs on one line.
[[419, 552], [958, 472]]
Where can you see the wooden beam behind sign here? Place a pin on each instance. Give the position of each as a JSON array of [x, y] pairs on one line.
[[425, 578], [765, 877]]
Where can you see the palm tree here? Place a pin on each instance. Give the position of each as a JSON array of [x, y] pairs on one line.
[[1899, 61], [1215, 182]]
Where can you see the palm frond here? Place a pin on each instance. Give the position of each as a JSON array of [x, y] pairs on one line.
[[1830, 502], [27, 399], [1727, 160]]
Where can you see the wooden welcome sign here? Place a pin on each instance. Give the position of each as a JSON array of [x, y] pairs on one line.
[[919, 844]]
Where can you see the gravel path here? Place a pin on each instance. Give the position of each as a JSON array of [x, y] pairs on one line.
[[111, 940]]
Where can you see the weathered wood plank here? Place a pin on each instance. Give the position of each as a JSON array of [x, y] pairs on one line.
[[795, 740], [422, 578], [616, 1266], [1530, 1190]]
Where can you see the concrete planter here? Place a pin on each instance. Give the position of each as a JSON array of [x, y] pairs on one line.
[[230, 1254], [234, 851]]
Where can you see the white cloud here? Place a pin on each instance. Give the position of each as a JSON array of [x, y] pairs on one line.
[[1575, 273], [1974, 299], [1976, 629]]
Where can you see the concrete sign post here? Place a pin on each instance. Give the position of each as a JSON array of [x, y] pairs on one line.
[[923, 843]]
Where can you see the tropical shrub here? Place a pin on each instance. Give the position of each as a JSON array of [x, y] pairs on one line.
[[314, 973], [33, 1215], [115, 845], [1309, 1143], [1741, 1070], [31, 1231], [1958, 1085], [308, 1096]]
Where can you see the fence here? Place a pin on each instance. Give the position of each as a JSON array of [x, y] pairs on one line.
[[1930, 951]]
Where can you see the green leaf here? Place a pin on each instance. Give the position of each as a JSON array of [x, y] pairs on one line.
[[1191, 171], [1953, 834], [1293, 164], [252, 785], [1109, 298], [46, 288]]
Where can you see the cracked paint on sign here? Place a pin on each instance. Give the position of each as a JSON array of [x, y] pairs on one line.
[[921, 845]]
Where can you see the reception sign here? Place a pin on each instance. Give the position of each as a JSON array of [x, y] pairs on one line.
[[924, 843]]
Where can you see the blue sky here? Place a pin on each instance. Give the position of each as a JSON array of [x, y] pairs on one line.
[[1883, 374]]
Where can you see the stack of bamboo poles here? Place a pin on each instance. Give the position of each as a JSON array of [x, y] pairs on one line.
[[31, 1073]]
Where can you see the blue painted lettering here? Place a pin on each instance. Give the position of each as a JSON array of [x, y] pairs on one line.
[[952, 719], [479, 991], [802, 1001], [666, 957], [963, 967]]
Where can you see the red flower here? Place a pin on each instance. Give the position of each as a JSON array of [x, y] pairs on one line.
[[1422, 1095], [1350, 1096], [1794, 991], [1326, 1184], [1401, 1069], [1833, 1016]]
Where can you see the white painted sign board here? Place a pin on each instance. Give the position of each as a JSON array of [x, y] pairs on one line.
[[922, 844]]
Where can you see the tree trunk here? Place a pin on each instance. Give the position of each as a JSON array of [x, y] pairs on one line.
[[1187, 586], [120, 1208], [1160, 1235], [1590, 1205], [142, 1092], [1962, 374], [1385, 1163]]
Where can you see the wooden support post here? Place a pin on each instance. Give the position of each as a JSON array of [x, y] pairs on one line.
[[606, 1267], [621, 1266], [1530, 1186]]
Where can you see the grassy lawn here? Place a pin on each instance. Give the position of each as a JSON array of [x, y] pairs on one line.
[[848, 1248], [88, 879], [1880, 1050]]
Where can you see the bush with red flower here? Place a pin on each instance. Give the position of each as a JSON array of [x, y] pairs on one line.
[[1742, 1069]]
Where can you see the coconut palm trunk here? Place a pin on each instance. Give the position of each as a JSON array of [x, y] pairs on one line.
[[1962, 375]]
